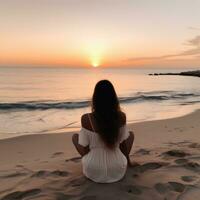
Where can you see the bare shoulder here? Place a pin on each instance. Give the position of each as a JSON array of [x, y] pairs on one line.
[[123, 115], [122, 118], [85, 121]]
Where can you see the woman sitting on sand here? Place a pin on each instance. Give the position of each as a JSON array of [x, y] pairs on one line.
[[104, 141]]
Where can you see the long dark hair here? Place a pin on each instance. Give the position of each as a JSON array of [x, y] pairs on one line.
[[106, 110]]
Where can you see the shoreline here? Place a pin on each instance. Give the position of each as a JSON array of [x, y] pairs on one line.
[[60, 140], [195, 73], [130, 122], [75, 130]]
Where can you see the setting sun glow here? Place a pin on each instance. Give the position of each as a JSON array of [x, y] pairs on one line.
[[95, 53], [95, 61], [100, 33], [95, 64]]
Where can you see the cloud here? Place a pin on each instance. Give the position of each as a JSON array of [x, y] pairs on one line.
[[193, 51], [195, 43], [152, 58], [194, 28]]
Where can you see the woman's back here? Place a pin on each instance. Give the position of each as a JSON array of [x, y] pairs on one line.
[[102, 164], [104, 141]]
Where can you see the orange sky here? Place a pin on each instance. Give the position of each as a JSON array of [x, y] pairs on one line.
[[107, 33]]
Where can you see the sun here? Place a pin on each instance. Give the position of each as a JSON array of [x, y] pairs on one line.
[[95, 61], [95, 65], [95, 52], [95, 58]]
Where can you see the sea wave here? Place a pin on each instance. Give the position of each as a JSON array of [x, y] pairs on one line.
[[136, 98]]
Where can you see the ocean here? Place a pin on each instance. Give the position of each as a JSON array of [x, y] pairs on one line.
[[45, 100]]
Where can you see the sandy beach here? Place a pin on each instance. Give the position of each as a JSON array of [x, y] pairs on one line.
[[63, 59], [47, 167]]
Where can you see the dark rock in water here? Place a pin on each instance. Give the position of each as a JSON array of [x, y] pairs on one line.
[[176, 153], [178, 187], [191, 73], [159, 74], [19, 195], [188, 73]]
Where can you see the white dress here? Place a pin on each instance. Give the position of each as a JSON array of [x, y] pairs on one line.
[[101, 164]]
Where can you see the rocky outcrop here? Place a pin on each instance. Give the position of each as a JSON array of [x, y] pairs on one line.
[[188, 73]]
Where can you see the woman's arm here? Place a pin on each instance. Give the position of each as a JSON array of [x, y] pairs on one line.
[[81, 149], [126, 146]]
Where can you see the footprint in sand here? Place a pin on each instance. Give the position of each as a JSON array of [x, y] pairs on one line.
[[189, 178], [57, 154], [142, 152], [19, 195], [44, 173], [163, 188], [60, 173], [92, 197], [20, 166], [175, 153], [134, 189], [62, 196], [135, 175], [194, 145], [149, 166], [13, 175], [193, 166], [192, 193], [78, 182], [181, 161], [45, 161], [75, 159], [177, 187], [40, 174]]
